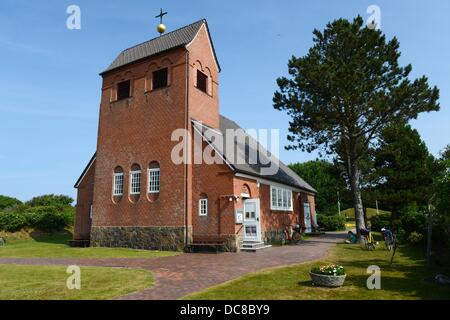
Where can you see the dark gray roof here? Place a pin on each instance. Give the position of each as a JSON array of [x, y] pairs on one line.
[[170, 40], [283, 175]]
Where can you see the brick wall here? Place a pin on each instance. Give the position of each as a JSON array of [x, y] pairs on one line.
[[137, 131], [272, 221], [85, 193]]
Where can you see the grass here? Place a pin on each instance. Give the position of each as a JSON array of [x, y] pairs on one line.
[[403, 280], [350, 225], [49, 283], [55, 246]]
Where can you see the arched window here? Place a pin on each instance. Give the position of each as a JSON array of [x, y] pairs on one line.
[[154, 177], [135, 180], [118, 182], [203, 78], [202, 81], [203, 205], [245, 192], [158, 75]]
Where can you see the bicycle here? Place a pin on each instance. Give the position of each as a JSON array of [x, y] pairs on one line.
[[389, 239], [369, 243], [292, 234]]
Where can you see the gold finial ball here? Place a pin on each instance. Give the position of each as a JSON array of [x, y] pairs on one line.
[[161, 28]]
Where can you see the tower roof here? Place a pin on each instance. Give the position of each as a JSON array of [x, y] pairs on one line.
[[174, 39]]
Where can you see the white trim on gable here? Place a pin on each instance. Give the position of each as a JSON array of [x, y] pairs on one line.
[[85, 172], [209, 128], [272, 183], [212, 146], [209, 42]]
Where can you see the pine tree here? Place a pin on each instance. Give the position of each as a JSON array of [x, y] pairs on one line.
[[404, 168], [345, 91]]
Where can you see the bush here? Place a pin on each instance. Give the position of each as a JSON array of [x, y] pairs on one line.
[[12, 221], [6, 202], [50, 200], [380, 221], [412, 219], [412, 225], [331, 223], [48, 213], [415, 238], [49, 218]]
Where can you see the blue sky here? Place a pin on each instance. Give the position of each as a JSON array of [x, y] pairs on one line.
[[50, 87]]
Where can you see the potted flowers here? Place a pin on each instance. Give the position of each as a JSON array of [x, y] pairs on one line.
[[328, 276]]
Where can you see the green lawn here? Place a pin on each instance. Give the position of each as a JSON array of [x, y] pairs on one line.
[[49, 283], [56, 246], [402, 280]]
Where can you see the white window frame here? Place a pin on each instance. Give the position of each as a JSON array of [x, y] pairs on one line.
[[151, 183], [115, 190], [132, 181], [203, 204], [91, 211], [285, 200]]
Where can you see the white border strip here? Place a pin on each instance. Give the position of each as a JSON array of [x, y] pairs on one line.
[[88, 168], [272, 183]]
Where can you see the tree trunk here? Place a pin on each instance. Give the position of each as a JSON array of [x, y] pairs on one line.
[[354, 175]]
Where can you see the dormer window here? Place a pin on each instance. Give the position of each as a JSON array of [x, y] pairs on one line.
[[202, 81], [160, 78], [123, 90]]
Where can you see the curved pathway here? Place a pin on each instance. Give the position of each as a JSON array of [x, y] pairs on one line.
[[177, 276]]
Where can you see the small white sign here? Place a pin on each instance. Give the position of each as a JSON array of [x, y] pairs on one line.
[[239, 216]]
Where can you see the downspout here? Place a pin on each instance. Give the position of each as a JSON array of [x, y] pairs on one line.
[[186, 182]]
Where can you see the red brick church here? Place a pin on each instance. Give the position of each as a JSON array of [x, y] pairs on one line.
[[132, 193]]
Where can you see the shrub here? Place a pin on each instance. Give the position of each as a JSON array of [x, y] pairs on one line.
[[12, 221], [50, 218], [412, 219], [415, 238], [331, 223], [380, 221], [50, 200], [6, 202]]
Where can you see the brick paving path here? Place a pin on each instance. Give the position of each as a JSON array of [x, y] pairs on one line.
[[177, 276]]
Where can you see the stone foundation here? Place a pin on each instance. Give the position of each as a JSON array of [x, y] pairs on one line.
[[232, 244], [273, 236], [149, 238]]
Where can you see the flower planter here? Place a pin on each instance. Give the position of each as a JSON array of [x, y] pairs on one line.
[[326, 280]]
